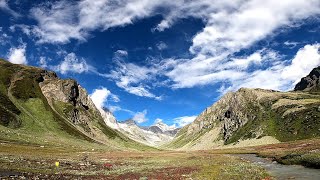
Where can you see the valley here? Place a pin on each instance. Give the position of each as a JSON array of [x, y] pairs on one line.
[[33, 161], [51, 129]]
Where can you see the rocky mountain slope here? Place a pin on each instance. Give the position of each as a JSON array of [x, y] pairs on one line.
[[37, 107], [256, 116], [155, 135], [310, 82]]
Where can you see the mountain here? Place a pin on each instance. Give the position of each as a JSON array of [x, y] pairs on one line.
[[38, 107], [155, 135], [256, 116], [310, 82], [163, 128]]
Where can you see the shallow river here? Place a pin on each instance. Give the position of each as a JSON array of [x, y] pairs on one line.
[[280, 171]]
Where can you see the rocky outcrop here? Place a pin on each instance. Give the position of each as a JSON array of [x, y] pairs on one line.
[[71, 98], [310, 82], [231, 112]]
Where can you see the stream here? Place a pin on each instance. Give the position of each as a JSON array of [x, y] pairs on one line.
[[280, 171]]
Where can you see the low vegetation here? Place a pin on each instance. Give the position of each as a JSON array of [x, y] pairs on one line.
[[39, 162]]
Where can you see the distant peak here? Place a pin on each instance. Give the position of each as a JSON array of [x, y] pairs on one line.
[[163, 126]]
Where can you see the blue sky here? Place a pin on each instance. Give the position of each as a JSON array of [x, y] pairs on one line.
[[167, 60]]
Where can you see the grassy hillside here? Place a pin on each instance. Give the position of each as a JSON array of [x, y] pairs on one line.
[[27, 117], [252, 114]]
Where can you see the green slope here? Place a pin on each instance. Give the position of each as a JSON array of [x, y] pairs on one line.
[[27, 117]]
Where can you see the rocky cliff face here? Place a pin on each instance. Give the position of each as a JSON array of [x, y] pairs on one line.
[[255, 114], [230, 112], [76, 104], [310, 82]]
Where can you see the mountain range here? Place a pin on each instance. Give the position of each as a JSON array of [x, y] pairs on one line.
[[155, 135], [38, 107]]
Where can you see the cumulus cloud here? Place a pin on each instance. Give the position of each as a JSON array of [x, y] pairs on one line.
[[18, 55], [282, 75], [140, 117], [73, 64], [304, 61], [233, 30], [4, 37], [184, 120], [101, 95]]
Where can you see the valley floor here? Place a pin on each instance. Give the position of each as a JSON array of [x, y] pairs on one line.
[[32, 161]]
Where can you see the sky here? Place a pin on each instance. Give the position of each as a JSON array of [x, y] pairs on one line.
[[164, 60]]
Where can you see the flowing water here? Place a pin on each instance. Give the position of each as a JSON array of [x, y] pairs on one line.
[[283, 172]]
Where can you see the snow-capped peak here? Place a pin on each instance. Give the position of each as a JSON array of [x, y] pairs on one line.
[[164, 127]]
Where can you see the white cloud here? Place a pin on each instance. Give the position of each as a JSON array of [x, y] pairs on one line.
[[281, 75], [100, 97], [57, 22], [161, 46], [18, 55], [4, 6], [43, 62], [270, 70], [121, 53], [114, 108], [304, 61], [184, 120], [60, 21], [291, 44], [229, 29], [158, 120], [73, 64], [249, 22], [230, 26], [129, 76], [140, 117], [4, 37], [118, 108]]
